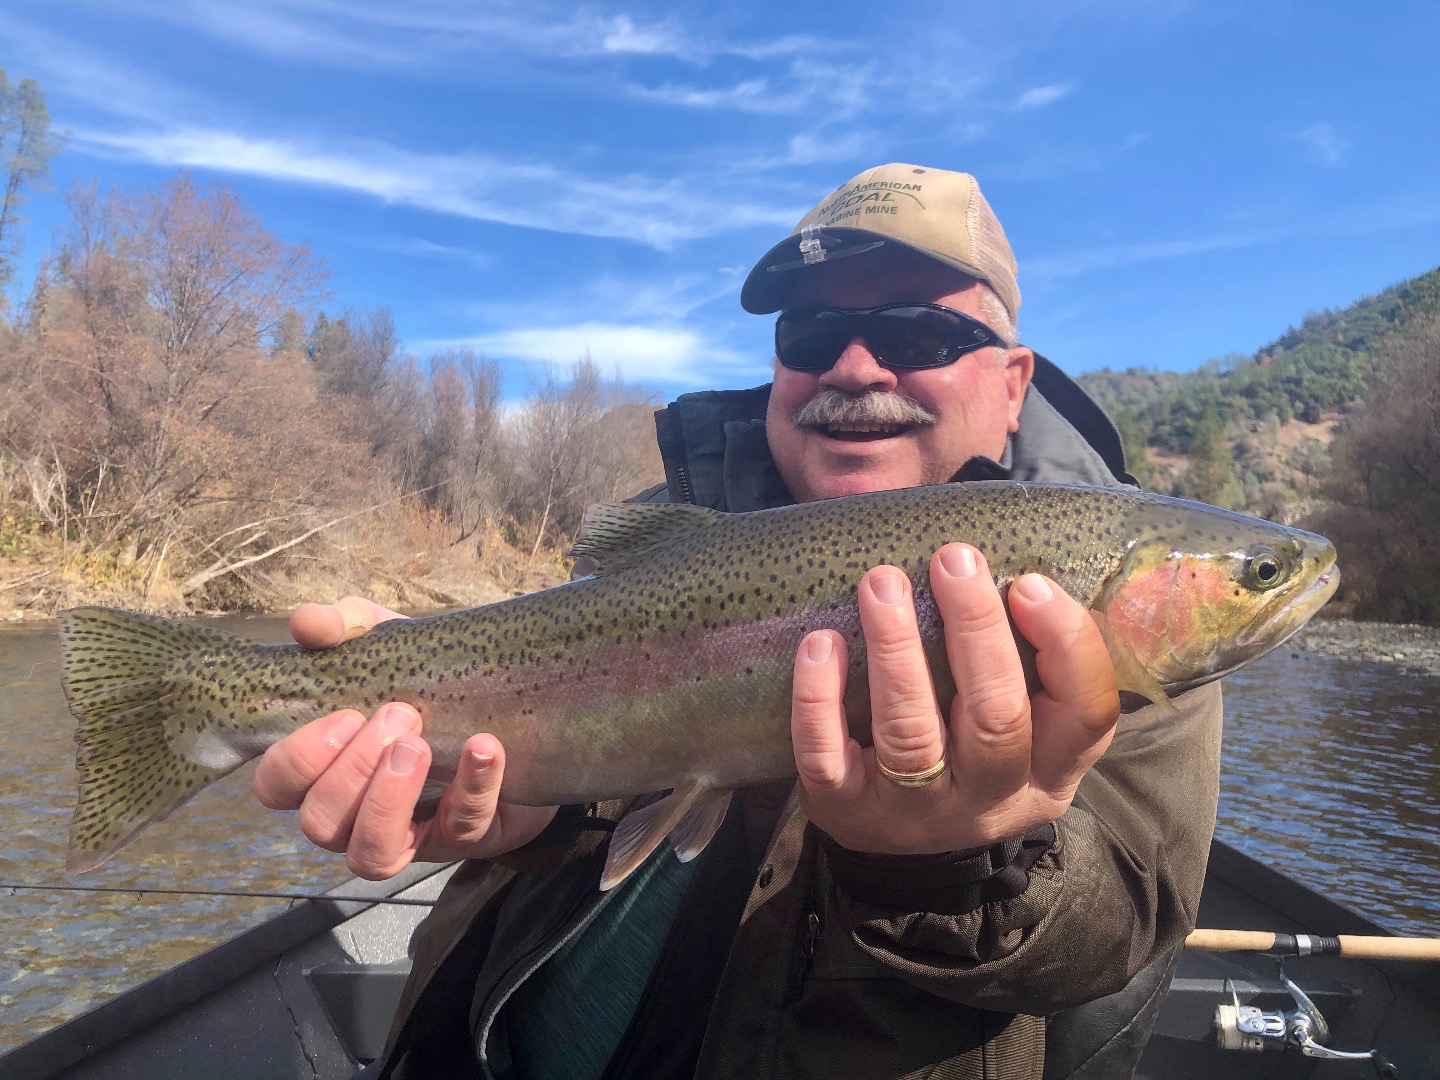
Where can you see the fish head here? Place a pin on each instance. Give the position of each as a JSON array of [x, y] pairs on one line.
[[1223, 590]]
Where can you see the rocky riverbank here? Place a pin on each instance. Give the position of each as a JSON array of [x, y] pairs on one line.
[[1415, 650]]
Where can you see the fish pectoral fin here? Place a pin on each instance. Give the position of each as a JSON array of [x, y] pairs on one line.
[[431, 792], [616, 534], [640, 833], [700, 822], [1130, 673]]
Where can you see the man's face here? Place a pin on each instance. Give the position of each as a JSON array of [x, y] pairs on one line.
[[975, 401]]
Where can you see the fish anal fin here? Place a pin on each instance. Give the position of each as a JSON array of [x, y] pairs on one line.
[[700, 823], [640, 833], [1130, 673], [615, 534]]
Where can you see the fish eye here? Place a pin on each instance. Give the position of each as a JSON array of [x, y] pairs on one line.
[[1264, 570]]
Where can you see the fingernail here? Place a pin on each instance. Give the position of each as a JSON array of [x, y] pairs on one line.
[[1034, 588], [888, 587], [958, 561], [346, 727], [397, 719], [403, 756], [817, 648], [482, 761]]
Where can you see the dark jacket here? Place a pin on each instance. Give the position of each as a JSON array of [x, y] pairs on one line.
[[829, 963]]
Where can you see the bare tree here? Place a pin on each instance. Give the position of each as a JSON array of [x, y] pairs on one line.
[[461, 455], [578, 443], [1385, 471]]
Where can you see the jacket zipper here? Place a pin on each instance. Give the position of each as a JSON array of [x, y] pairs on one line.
[[494, 1012], [813, 926], [683, 475]]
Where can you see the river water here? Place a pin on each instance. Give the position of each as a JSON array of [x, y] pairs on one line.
[[1332, 773]]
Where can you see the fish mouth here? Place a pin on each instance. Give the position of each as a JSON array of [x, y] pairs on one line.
[[1297, 612], [1290, 610]]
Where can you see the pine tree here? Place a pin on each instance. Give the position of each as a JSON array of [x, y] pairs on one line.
[[1134, 432], [1212, 473], [26, 147]]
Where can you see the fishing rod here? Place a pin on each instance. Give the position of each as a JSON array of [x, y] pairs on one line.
[[142, 891], [1364, 948]]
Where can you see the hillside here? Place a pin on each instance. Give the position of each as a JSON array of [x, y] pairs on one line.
[[1334, 425], [1321, 366], [1277, 409]]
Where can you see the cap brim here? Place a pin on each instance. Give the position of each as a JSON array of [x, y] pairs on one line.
[[778, 273]]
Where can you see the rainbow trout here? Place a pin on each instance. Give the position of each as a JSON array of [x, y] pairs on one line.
[[670, 667]]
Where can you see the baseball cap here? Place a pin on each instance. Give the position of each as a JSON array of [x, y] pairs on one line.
[[933, 212]]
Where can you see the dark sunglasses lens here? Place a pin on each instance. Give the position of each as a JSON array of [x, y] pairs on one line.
[[918, 337], [902, 336], [813, 340]]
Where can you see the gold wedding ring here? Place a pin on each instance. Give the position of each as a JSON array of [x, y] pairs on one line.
[[911, 779]]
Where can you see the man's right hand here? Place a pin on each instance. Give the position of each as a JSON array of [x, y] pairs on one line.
[[356, 782]]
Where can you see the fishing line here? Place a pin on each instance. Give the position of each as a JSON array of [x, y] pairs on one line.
[[398, 900]]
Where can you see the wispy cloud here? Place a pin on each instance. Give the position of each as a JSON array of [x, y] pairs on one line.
[[85, 76], [802, 87], [420, 248], [422, 32], [819, 146], [640, 353], [654, 211], [751, 95], [1040, 96], [1324, 142], [1070, 264]]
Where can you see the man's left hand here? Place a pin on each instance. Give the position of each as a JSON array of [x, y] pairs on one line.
[[1013, 762]]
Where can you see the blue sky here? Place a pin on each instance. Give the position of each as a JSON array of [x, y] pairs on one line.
[[1179, 180]]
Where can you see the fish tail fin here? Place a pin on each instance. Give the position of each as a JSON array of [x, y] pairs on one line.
[[124, 681]]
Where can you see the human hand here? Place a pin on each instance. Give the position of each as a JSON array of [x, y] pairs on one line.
[[1013, 762], [356, 783]]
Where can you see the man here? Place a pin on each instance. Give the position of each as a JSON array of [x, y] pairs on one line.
[[942, 904]]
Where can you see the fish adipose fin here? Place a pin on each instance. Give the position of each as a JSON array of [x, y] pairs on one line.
[[640, 833], [615, 535], [1130, 673], [116, 670]]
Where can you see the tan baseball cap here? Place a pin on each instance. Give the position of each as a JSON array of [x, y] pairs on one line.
[[934, 212]]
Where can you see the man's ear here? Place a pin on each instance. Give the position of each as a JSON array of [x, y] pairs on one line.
[[1019, 369]]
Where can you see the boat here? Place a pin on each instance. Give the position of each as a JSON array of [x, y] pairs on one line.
[[310, 993]]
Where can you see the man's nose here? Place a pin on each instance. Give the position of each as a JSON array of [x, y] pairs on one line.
[[858, 370]]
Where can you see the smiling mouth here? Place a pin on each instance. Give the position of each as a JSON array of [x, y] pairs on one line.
[[861, 432]]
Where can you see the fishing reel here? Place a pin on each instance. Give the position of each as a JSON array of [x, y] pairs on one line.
[[1247, 1028]]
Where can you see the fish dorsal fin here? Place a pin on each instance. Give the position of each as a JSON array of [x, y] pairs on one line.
[[616, 534], [700, 823], [980, 467], [1130, 674], [640, 833]]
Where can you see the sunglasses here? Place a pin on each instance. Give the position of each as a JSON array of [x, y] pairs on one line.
[[908, 337]]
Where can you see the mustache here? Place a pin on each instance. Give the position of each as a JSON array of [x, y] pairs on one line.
[[831, 407]]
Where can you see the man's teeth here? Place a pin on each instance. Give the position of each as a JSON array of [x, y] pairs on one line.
[[879, 429]]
